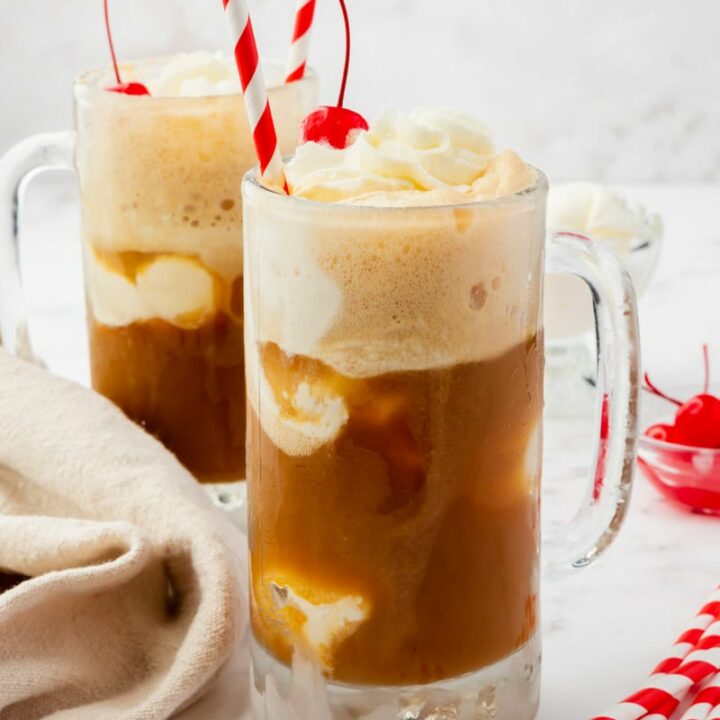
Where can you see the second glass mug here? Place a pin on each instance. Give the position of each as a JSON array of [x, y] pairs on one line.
[[394, 360], [160, 188]]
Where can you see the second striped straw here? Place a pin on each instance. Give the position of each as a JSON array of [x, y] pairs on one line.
[[706, 706], [300, 44]]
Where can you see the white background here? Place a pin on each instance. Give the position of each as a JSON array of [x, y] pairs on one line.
[[614, 90]]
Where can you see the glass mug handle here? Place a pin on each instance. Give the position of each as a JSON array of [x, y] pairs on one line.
[[603, 510], [643, 259], [30, 157]]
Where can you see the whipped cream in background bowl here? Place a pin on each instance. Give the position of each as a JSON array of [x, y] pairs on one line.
[[634, 235]]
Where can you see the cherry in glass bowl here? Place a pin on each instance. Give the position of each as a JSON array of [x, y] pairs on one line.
[[680, 455], [688, 476]]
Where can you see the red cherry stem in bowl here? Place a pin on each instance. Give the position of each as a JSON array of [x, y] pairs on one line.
[[697, 421], [652, 388]]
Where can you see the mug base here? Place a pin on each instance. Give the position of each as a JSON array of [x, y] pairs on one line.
[[506, 690]]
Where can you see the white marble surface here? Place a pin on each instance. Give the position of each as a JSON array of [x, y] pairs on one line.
[[604, 627], [600, 90]]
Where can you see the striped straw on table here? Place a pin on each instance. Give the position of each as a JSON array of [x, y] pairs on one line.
[[706, 705], [255, 94], [708, 614], [694, 658], [297, 58]]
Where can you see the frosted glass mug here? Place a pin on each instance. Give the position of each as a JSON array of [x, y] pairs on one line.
[[160, 186], [394, 361]]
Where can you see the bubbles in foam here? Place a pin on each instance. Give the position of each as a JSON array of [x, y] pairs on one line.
[[163, 174], [373, 291], [377, 291], [478, 296]]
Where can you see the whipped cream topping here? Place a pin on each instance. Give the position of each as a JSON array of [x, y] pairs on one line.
[[597, 211], [195, 74], [430, 149]]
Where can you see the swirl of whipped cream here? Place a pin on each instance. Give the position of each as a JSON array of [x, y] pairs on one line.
[[431, 148], [597, 211], [195, 74]]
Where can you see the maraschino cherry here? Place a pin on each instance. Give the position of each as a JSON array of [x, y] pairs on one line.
[[131, 88], [661, 431], [335, 125], [697, 421]]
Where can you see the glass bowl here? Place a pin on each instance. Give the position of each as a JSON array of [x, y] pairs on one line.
[[688, 476]]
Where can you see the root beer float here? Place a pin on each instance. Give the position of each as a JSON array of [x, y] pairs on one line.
[[394, 367], [160, 178], [393, 283]]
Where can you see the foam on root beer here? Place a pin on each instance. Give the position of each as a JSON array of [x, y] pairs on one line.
[[161, 186], [462, 298]]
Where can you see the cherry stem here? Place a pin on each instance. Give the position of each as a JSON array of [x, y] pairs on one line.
[[706, 362], [346, 68], [651, 387], [110, 42]]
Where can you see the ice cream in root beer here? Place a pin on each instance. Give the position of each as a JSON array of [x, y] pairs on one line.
[[394, 367], [160, 179]]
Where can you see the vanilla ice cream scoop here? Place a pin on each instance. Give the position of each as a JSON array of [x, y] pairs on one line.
[[323, 625], [309, 614], [196, 74], [628, 229], [177, 289], [602, 214]]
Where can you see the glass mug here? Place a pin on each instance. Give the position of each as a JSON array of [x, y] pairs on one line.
[[394, 362], [160, 184], [569, 338]]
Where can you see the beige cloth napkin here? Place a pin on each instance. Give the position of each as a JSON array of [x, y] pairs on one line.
[[120, 594]]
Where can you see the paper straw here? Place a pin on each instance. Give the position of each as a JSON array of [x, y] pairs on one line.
[[255, 94], [708, 613], [300, 44], [694, 658], [706, 705]]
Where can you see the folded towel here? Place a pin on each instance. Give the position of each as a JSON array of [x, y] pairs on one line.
[[121, 587]]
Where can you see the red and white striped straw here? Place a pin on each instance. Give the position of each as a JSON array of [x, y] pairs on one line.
[[693, 659], [688, 640], [297, 59], [255, 94], [706, 705]]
